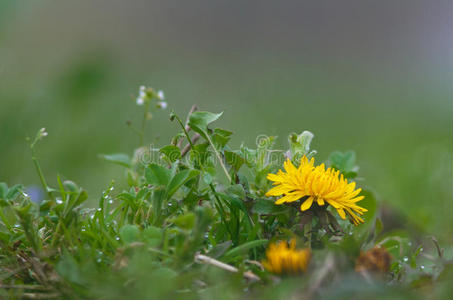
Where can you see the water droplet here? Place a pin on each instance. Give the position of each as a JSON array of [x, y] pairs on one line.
[[16, 225], [59, 201], [421, 249], [110, 201], [170, 204], [99, 209], [117, 238], [112, 188], [405, 258], [98, 260], [422, 267]]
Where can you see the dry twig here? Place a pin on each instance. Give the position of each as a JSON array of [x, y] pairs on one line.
[[200, 258]]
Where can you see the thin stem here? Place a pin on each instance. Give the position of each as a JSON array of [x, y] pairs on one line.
[[145, 118], [219, 158], [184, 130], [186, 149], [39, 170], [55, 234], [209, 141], [186, 126]]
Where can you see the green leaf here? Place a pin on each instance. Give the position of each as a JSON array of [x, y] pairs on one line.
[[244, 248], [119, 159], [300, 144], [71, 186], [186, 221], [82, 197], [236, 190], [45, 205], [209, 174], [345, 162], [179, 179], [152, 235], [130, 233], [234, 159], [172, 152], [14, 191], [207, 178], [220, 137], [152, 232], [233, 201], [268, 207], [223, 132], [157, 175], [250, 156], [200, 120], [199, 154], [219, 249]]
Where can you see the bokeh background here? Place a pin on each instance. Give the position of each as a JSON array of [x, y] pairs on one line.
[[372, 76]]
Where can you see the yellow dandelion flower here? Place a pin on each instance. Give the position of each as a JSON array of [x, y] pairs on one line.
[[317, 185], [281, 259]]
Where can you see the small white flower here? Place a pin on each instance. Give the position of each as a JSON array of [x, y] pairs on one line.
[[162, 105], [140, 100], [43, 132], [141, 95], [161, 95]]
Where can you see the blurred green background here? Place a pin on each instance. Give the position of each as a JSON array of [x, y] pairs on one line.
[[375, 77]]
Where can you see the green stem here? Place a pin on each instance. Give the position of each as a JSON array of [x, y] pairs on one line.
[[219, 157], [55, 234], [185, 131], [145, 118], [40, 173]]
